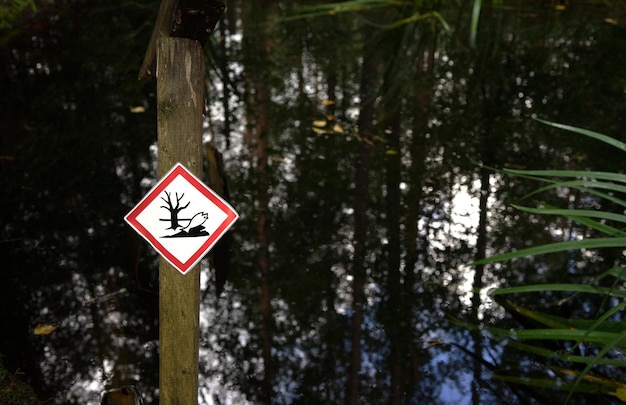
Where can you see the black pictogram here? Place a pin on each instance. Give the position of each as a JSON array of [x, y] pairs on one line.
[[191, 227]]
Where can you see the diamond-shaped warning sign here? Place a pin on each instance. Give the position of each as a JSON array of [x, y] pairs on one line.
[[181, 218]]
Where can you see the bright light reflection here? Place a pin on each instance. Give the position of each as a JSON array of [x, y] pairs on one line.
[[465, 214]]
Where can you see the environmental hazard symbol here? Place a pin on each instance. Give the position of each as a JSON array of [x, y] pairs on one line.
[[181, 218]]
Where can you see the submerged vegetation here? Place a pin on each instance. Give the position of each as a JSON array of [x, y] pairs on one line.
[[13, 390]]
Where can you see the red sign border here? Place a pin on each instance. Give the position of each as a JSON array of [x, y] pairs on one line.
[[180, 170]]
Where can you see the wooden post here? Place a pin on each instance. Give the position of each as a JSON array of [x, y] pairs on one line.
[[180, 103], [175, 49]]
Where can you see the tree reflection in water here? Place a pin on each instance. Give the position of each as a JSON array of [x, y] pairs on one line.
[[76, 153]]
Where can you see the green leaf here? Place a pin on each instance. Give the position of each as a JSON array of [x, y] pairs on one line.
[[598, 337], [574, 213], [601, 137], [592, 385], [556, 247], [582, 217], [585, 186], [573, 288], [557, 322], [618, 272], [608, 336], [564, 356], [343, 7], [474, 22], [583, 174]]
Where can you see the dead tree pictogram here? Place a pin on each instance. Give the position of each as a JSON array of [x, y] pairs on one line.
[[173, 209]]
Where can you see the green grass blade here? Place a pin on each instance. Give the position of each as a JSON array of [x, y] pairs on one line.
[[584, 186], [556, 247], [574, 213], [582, 174], [618, 272], [563, 334], [556, 384], [474, 22], [563, 356], [581, 216], [601, 137], [609, 337], [618, 338], [598, 226], [318, 10], [572, 288], [500, 335]]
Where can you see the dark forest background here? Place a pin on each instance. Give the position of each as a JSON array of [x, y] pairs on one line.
[[363, 143]]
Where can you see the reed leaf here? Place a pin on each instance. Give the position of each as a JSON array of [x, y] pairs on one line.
[[556, 247], [608, 337]]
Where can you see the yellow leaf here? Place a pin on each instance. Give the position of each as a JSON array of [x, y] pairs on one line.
[[327, 102], [391, 152], [319, 123], [319, 130], [337, 129], [620, 393], [137, 109], [42, 329]]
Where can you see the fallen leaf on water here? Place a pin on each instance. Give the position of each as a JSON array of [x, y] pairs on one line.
[[137, 109], [620, 393], [319, 130], [44, 329]]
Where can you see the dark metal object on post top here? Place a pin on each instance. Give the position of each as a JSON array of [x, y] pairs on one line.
[[192, 19], [127, 395]]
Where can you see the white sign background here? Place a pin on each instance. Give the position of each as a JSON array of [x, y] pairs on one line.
[[151, 217]]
